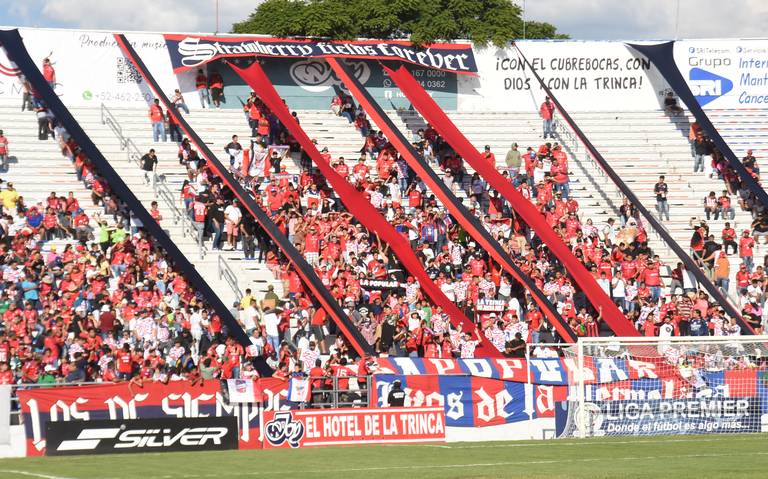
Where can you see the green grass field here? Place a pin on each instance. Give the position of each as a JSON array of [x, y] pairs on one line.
[[679, 457]]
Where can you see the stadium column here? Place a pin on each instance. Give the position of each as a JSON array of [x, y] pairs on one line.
[[690, 265], [356, 203], [303, 269], [457, 210], [433, 114], [17, 52], [662, 57]]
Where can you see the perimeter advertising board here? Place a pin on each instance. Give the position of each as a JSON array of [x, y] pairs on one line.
[[141, 435], [336, 427], [664, 417]]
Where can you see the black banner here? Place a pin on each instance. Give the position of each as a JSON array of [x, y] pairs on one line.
[[193, 51], [141, 435]]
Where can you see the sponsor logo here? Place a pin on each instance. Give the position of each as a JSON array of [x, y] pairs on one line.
[[89, 439], [318, 76], [707, 86], [284, 429], [138, 435]]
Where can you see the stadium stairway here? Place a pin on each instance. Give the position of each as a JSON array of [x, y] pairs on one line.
[[743, 130], [643, 145], [135, 125], [36, 168]]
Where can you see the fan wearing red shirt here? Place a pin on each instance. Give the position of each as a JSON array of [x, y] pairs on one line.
[[746, 243], [49, 73], [743, 279], [6, 375], [124, 360], [729, 238], [342, 372], [652, 279], [317, 373]]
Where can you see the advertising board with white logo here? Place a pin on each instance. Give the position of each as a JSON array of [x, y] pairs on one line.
[[141, 435], [336, 427], [673, 416], [725, 73]]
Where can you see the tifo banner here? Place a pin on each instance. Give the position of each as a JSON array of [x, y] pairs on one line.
[[551, 371], [119, 401], [336, 427], [725, 74], [141, 435], [191, 51], [679, 416]]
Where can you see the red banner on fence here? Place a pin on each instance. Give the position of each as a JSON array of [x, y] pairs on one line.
[[337, 427]]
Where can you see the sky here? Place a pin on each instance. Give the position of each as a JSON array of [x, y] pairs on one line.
[[581, 19]]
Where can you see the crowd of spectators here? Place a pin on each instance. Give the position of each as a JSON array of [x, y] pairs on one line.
[[86, 294], [387, 304], [110, 306], [712, 252]]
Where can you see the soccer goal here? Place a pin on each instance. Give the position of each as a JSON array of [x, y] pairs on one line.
[[664, 386]]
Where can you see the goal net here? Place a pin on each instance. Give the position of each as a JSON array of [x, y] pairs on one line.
[[664, 386]]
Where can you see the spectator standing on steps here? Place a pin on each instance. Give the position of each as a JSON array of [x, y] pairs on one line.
[[157, 117], [547, 113], [201, 84], [49, 73], [514, 159], [149, 165], [701, 148], [3, 152], [662, 205], [217, 88]]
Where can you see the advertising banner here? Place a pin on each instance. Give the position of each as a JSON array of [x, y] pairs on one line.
[[669, 416], [725, 73], [90, 68], [121, 401], [337, 427], [141, 435], [192, 51]]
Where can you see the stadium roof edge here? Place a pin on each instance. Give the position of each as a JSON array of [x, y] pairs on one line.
[[254, 35]]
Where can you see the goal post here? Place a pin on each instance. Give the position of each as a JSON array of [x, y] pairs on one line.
[[662, 386]]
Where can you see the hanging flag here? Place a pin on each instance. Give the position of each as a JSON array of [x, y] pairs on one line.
[[298, 389], [241, 391]]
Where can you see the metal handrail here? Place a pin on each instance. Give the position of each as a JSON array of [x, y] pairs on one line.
[[226, 272], [159, 188], [132, 151]]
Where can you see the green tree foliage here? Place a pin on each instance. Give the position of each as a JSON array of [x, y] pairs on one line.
[[421, 21]]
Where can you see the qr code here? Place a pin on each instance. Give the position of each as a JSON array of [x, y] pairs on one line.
[[126, 72]]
